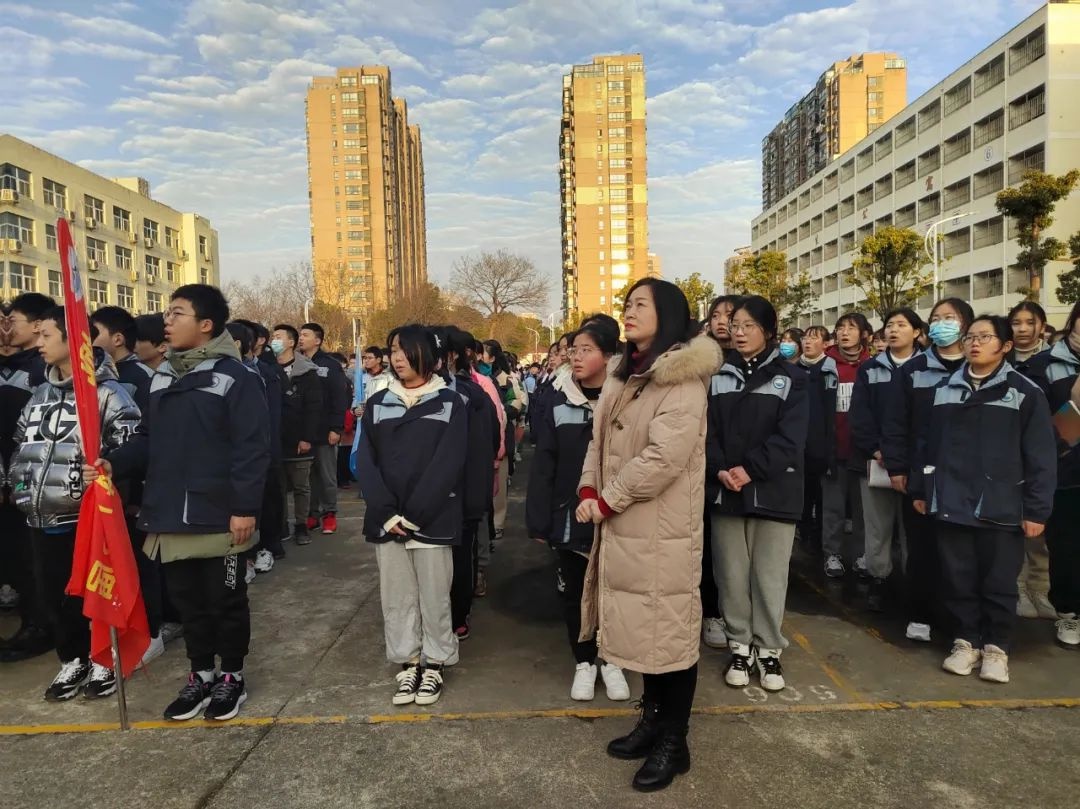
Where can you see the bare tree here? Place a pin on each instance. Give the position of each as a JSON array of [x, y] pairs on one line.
[[276, 298], [497, 282]]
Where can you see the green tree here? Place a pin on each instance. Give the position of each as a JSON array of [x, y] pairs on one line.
[[1069, 282], [767, 274], [1031, 205], [889, 269], [699, 292]]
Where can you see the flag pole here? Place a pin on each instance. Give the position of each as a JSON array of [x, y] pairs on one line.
[[118, 670]]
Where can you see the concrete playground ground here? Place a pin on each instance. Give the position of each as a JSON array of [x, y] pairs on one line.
[[868, 720]]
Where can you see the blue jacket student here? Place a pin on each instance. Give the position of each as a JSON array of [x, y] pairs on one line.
[[758, 421], [1055, 371], [410, 462], [482, 447], [821, 385], [990, 458], [877, 384]]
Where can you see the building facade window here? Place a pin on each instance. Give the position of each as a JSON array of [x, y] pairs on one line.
[[121, 219], [94, 209], [14, 178], [23, 277], [123, 258], [56, 286], [125, 297], [95, 250], [13, 226], [55, 194], [98, 292], [153, 302]]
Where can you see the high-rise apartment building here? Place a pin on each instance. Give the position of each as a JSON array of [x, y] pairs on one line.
[[366, 187], [134, 250], [850, 100], [604, 215]]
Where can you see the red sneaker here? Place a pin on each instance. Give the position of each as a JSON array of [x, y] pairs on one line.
[[329, 524], [312, 523]]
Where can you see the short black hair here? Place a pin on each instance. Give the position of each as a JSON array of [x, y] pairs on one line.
[[32, 304], [860, 321], [1002, 326], [418, 345], [910, 315], [763, 313], [289, 330], [58, 315], [1028, 306], [820, 331], [243, 335], [794, 333], [674, 323], [116, 320], [259, 331], [317, 329], [209, 304], [378, 351], [150, 328]]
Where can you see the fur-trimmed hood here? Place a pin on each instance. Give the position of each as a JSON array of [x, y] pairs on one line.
[[698, 359]]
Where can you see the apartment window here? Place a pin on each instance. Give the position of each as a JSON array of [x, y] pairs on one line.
[[95, 250], [847, 242], [987, 284], [959, 193], [957, 146], [125, 297], [355, 235], [347, 98], [618, 194], [958, 97], [873, 98], [614, 69], [617, 132], [815, 192], [55, 194], [989, 128], [99, 292], [347, 81], [616, 209], [1033, 159], [351, 143], [151, 230], [50, 237], [905, 132], [905, 175], [204, 275], [929, 206], [883, 148], [957, 242], [929, 161], [354, 221], [847, 207], [350, 112], [864, 197], [617, 116], [847, 171], [13, 178], [804, 231], [832, 215], [883, 222], [123, 258], [883, 187], [815, 224], [989, 75], [170, 273], [804, 200], [1027, 50], [929, 115], [350, 128], [831, 182], [862, 233], [988, 233], [56, 285], [121, 219], [905, 217], [988, 181], [172, 238], [355, 174], [873, 81], [23, 277], [13, 226], [617, 179], [865, 159], [352, 190], [153, 302], [152, 266], [831, 249], [617, 163], [1027, 107], [369, 79], [94, 208]]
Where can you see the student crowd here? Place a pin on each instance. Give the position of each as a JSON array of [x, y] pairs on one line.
[[675, 464]]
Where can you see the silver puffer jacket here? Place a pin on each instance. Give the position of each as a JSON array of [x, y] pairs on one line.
[[46, 472]]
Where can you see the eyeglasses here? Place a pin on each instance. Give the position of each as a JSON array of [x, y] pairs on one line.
[[981, 339], [743, 328], [172, 314], [581, 352]]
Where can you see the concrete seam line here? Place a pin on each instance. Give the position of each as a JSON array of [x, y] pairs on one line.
[[268, 722]]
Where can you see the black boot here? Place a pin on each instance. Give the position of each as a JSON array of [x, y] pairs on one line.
[[875, 600], [639, 742], [669, 757]]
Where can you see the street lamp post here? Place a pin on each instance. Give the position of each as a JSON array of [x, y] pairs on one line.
[[932, 235], [308, 303], [536, 342]]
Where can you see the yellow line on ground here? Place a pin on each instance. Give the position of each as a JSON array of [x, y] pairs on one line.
[[838, 679], [554, 713]]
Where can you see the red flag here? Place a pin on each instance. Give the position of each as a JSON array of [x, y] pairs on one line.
[[103, 572]]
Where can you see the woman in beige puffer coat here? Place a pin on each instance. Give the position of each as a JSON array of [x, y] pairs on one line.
[[643, 483]]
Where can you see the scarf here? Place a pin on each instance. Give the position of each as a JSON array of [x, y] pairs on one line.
[[410, 396], [185, 361], [805, 360], [850, 357]]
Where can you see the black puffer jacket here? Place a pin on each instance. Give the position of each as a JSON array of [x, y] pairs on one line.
[[302, 407]]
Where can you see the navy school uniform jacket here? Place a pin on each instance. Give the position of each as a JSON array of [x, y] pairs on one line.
[[877, 383], [204, 446], [758, 423], [821, 386], [561, 446], [135, 378], [906, 422], [20, 373], [410, 462], [336, 398], [1055, 372], [991, 460], [483, 447]]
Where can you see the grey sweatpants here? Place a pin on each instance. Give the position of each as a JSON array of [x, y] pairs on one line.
[[324, 481], [882, 516], [502, 495], [414, 586], [296, 477], [835, 493], [750, 562]]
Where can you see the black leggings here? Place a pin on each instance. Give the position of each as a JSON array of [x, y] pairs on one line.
[[572, 567], [674, 693]]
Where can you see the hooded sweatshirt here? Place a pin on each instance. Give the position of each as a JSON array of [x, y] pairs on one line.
[[846, 371]]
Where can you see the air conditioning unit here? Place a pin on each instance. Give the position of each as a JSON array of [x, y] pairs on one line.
[[91, 223], [151, 279], [132, 238], [93, 265], [148, 244], [69, 215], [134, 275], [14, 246], [9, 195], [182, 255]]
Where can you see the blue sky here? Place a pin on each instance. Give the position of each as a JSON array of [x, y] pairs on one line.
[[206, 99]]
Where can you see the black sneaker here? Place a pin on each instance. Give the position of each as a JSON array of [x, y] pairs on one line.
[[431, 686], [102, 683], [408, 680], [73, 675], [193, 698], [226, 697]]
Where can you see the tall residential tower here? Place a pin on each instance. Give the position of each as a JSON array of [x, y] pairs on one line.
[[604, 217], [366, 188]]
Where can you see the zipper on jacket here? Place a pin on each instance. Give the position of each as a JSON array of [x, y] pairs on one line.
[[48, 460]]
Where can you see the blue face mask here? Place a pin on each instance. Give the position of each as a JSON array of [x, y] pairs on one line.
[[277, 346], [484, 368], [788, 350], [944, 332]]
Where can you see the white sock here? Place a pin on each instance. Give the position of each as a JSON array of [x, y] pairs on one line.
[[206, 676]]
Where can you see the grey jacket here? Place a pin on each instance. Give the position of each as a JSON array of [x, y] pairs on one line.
[[46, 472]]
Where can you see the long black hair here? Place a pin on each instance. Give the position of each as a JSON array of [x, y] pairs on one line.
[[499, 363], [673, 323], [419, 347]]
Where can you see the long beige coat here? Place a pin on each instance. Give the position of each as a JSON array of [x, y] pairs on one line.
[[647, 460]]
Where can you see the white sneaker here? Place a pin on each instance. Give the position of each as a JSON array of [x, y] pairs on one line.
[[861, 569], [737, 673], [715, 633], [249, 572], [9, 599], [155, 650], [770, 670], [995, 664], [264, 561], [1025, 607], [963, 658], [615, 683], [834, 567], [917, 631], [584, 687], [1043, 607], [1068, 630]]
